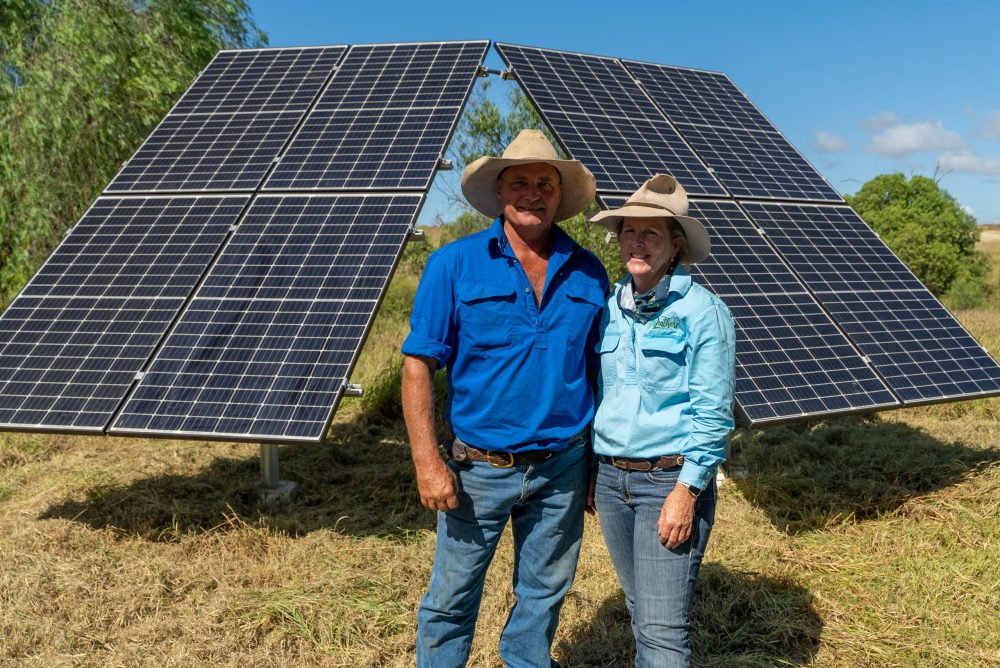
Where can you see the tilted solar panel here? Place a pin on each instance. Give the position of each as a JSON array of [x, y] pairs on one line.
[[230, 125], [791, 360], [73, 340], [602, 118], [263, 351], [748, 154], [921, 350], [384, 120]]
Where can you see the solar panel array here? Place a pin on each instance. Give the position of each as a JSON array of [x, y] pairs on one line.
[[73, 340], [223, 284], [828, 319], [230, 125], [205, 294]]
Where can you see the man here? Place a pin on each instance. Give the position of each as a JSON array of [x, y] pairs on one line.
[[511, 312]]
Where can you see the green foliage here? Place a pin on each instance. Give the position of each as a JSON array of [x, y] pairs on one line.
[[485, 129], [926, 227], [82, 83], [966, 291]]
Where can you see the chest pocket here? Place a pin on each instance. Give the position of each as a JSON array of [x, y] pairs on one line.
[[485, 314], [582, 306], [607, 346], [662, 365]]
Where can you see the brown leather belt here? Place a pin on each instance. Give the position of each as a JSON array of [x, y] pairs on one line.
[[501, 459], [630, 464]]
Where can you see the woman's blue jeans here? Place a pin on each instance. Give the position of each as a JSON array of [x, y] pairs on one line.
[[658, 582], [544, 503]]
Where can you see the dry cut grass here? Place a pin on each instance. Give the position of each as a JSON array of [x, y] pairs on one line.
[[866, 541]]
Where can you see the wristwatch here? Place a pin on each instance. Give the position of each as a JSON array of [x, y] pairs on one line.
[[692, 490]]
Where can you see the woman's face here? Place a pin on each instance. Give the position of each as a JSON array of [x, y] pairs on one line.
[[647, 249]]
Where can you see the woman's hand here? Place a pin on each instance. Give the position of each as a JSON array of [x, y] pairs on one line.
[[676, 517]]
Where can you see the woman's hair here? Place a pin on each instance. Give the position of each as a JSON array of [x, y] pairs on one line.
[[674, 229]]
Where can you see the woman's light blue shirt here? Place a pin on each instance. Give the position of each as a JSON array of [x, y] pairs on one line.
[[667, 382]]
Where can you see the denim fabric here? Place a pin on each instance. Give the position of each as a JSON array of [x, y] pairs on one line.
[[658, 583], [544, 503]]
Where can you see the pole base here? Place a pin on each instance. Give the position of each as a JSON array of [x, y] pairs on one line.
[[279, 492]]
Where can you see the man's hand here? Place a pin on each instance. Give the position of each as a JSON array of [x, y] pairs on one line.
[[437, 485], [676, 517], [589, 505]]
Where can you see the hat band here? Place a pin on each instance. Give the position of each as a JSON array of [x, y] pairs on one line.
[[651, 205]]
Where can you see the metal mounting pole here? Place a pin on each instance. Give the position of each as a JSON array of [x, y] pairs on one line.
[[273, 488]]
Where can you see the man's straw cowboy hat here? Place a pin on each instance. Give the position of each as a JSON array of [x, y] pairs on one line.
[[479, 180]]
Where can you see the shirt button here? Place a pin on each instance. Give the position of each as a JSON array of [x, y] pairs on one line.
[[527, 289]]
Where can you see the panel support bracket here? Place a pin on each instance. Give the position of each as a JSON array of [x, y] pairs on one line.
[[272, 487], [353, 390]]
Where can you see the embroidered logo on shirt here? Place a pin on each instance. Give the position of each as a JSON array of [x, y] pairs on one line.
[[667, 322]]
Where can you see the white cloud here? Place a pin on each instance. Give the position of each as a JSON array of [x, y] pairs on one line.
[[880, 121], [827, 142], [907, 138], [966, 161], [968, 209], [991, 126]]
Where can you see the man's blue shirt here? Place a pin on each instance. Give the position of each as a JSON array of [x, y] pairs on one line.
[[517, 371]]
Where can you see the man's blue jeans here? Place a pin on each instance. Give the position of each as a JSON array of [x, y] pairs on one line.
[[544, 503], [658, 583]]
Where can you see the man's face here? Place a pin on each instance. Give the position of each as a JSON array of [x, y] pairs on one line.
[[529, 194]]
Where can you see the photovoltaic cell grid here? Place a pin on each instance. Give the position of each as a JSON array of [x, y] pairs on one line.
[[749, 155], [912, 340], [270, 338], [231, 124], [73, 340], [384, 120], [605, 120], [791, 360]]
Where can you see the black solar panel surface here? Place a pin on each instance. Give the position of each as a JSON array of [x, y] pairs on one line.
[[749, 155], [791, 360], [912, 340], [231, 124], [605, 121], [72, 342], [384, 120], [268, 341]]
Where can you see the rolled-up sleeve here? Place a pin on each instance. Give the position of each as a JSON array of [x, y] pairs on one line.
[[432, 321], [712, 385]]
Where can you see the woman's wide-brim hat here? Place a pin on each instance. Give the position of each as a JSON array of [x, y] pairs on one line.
[[479, 180], [661, 197]]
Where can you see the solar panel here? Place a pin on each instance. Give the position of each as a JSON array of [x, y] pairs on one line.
[[748, 154], [604, 120], [264, 349], [791, 360], [230, 125], [73, 340], [384, 120], [921, 350]]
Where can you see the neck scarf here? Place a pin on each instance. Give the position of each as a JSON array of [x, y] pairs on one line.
[[645, 305]]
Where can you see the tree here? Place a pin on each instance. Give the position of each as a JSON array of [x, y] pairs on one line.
[[82, 83], [926, 228]]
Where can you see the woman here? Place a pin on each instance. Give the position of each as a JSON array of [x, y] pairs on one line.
[[664, 416]]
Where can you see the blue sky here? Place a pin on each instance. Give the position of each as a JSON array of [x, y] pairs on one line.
[[861, 88]]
